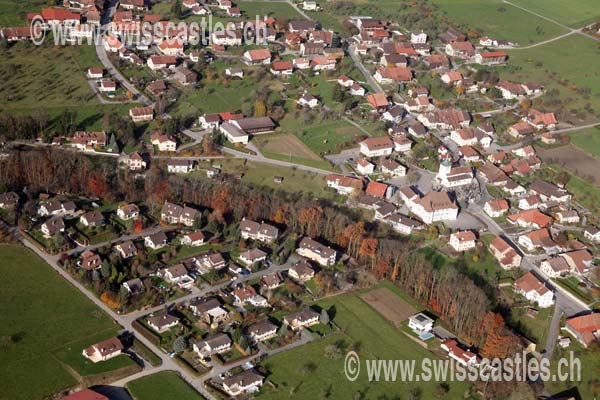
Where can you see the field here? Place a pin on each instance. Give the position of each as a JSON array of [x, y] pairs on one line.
[[534, 328], [305, 373], [492, 17], [14, 12], [587, 140], [160, 386], [588, 386], [551, 65], [392, 307], [40, 315], [574, 160], [250, 9], [285, 144], [574, 13]]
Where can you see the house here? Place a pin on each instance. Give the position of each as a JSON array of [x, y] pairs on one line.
[[389, 75], [171, 47], [126, 249], [510, 90], [285, 68], [180, 166], [193, 239], [252, 257], [317, 252], [16, 33], [540, 238], [463, 241], [210, 310], [364, 167], [248, 295], [234, 72], [418, 37], [420, 323], [248, 381], [323, 64], [446, 119], [104, 350], [436, 61], [185, 76], [95, 73], [433, 207], [459, 352], [534, 290], [164, 142], [357, 90], [86, 394], [176, 214], [469, 154], [137, 5], [530, 219], [301, 63], [418, 105], [451, 78], [393, 168], [549, 192], [177, 275], [301, 272], [393, 114], [464, 50], [506, 255], [162, 321], [309, 5], [540, 120], [592, 233], [128, 211], [496, 208], [134, 286], [301, 319], [379, 189], [257, 57], [377, 146], [156, 63], [451, 177], [226, 38], [234, 12], [56, 207], [89, 261], [136, 162], [580, 261], [555, 267], [401, 223], [224, 4], [140, 114], [208, 347], [584, 328], [451, 35], [308, 100], [261, 331], [262, 232], [378, 101], [88, 140], [345, 185], [9, 200], [301, 26], [92, 219], [156, 240], [210, 261], [52, 226], [491, 58], [470, 137], [271, 281], [567, 217], [521, 129], [548, 138]]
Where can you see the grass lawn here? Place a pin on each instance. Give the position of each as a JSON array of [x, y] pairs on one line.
[[550, 65], [588, 385], [162, 385], [535, 328], [491, 17], [39, 314], [14, 12], [587, 140], [574, 13], [250, 9], [372, 335]]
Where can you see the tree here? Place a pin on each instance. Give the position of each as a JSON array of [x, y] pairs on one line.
[[260, 108], [105, 269], [112, 147], [338, 94], [179, 344], [324, 319]]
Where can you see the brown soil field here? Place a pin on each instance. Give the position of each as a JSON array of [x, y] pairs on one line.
[[392, 307], [574, 160], [286, 144]]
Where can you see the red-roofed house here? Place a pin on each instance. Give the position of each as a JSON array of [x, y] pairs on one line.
[[496, 208], [585, 328], [379, 189], [463, 241], [378, 101], [506, 255], [534, 290]]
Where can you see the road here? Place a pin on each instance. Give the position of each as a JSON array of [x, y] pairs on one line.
[[363, 70], [110, 68]]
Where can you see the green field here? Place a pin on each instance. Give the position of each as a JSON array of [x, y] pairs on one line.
[[161, 386], [552, 65], [587, 140], [40, 315], [372, 336], [14, 12], [251, 9], [534, 328], [574, 13], [493, 18]]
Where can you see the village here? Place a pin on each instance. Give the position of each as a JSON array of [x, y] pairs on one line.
[[446, 154]]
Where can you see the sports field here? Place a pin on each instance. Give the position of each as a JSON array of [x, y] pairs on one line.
[[40, 315]]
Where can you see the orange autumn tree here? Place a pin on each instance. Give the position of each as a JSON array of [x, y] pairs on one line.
[[368, 249], [110, 299]]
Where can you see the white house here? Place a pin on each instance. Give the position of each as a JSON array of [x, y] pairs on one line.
[[364, 167], [463, 241], [534, 290], [420, 323], [377, 146], [496, 208]]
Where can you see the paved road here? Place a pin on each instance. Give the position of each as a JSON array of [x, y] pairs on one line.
[[104, 100], [363, 70]]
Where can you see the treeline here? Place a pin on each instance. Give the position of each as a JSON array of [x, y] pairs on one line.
[[452, 295]]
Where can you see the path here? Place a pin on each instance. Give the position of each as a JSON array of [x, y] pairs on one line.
[[363, 70]]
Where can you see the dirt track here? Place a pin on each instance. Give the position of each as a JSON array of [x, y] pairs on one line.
[[392, 307]]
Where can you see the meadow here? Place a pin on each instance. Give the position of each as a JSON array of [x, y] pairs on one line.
[[160, 386], [587, 140], [305, 372], [499, 20], [574, 13], [40, 315]]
